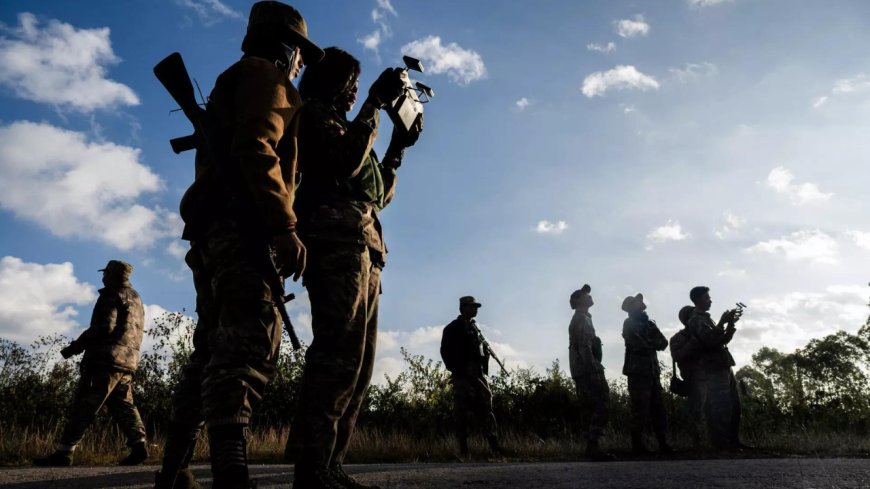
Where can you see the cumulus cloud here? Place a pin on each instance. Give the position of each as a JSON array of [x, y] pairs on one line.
[[622, 77], [554, 228], [819, 102], [705, 3], [523, 103], [372, 41], [629, 28], [860, 238], [601, 48], [692, 72], [61, 65], [806, 245], [79, 188], [844, 87], [37, 299], [211, 12], [780, 180], [671, 231], [461, 65], [732, 224]]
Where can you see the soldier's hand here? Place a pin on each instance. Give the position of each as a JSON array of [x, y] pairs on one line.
[[67, 351], [402, 139], [290, 255], [727, 317], [388, 87]]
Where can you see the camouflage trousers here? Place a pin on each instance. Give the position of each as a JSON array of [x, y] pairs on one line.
[[97, 388], [594, 395], [237, 334], [647, 408], [473, 406], [714, 404], [344, 286]]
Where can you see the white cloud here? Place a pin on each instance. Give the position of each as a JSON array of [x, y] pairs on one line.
[[38, 300], [387, 6], [693, 72], [622, 77], [176, 249], [705, 3], [780, 180], [211, 11], [856, 84], [671, 231], [554, 228], [155, 314], [819, 102], [372, 41], [85, 189], [629, 28], [601, 48], [732, 273], [732, 224], [461, 65], [522, 103], [806, 245], [861, 238], [61, 65]]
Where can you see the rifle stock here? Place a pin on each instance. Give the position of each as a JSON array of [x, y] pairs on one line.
[[174, 77]]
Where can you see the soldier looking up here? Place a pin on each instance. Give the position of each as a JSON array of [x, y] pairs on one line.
[[344, 187], [642, 340], [111, 356], [238, 214], [584, 354], [468, 362]]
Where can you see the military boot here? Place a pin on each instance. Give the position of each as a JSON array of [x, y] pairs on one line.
[[60, 458], [349, 482], [184, 479], [177, 453], [138, 454], [594, 451], [316, 478], [229, 458], [637, 445]]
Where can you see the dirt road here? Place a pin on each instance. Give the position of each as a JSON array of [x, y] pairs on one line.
[[689, 474]]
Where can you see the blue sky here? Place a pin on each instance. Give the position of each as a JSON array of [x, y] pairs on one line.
[[635, 146]]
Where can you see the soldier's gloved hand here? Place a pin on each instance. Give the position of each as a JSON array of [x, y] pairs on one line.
[[67, 351], [400, 140], [290, 255], [388, 87]]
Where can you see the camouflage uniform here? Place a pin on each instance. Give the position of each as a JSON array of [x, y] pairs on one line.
[[714, 393], [343, 188], [642, 340], [111, 356], [242, 198], [584, 354], [468, 363]]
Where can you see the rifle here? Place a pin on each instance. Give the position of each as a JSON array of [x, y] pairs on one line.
[[487, 348], [174, 77]]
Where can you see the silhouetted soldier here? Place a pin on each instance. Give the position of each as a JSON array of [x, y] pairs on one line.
[[468, 362], [584, 349], [111, 356], [238, 216], [713, 382], [345, 186], [642, 340]]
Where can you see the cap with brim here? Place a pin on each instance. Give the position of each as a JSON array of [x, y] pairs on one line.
[[631, 302], [469, 300]]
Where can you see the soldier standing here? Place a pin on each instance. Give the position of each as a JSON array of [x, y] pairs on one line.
[[239, 218], [642, 340], [344, 187], [584, 354], [714, 386], [111, 356], [468, 362]]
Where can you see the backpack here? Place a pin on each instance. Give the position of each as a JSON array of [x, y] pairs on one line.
[[683, 345]]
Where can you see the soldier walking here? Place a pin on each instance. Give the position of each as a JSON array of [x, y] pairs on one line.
[[467, 360], [584, 354], [714, 388], [111, 356], [344, 187], [642, 340], [240, 222]]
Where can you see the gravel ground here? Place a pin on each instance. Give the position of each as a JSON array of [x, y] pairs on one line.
[[744, 474]]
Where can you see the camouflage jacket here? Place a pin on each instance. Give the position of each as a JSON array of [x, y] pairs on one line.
[[642, 340], [113, 339], [251, 176], [462, 350], [714, 354], [343, 185], [582, 346]]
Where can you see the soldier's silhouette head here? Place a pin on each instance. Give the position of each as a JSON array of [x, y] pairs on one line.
[[700, 296], [468, 306], [334, 80], [582, 298], [116, 273], [634, 304], [685, 313]]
